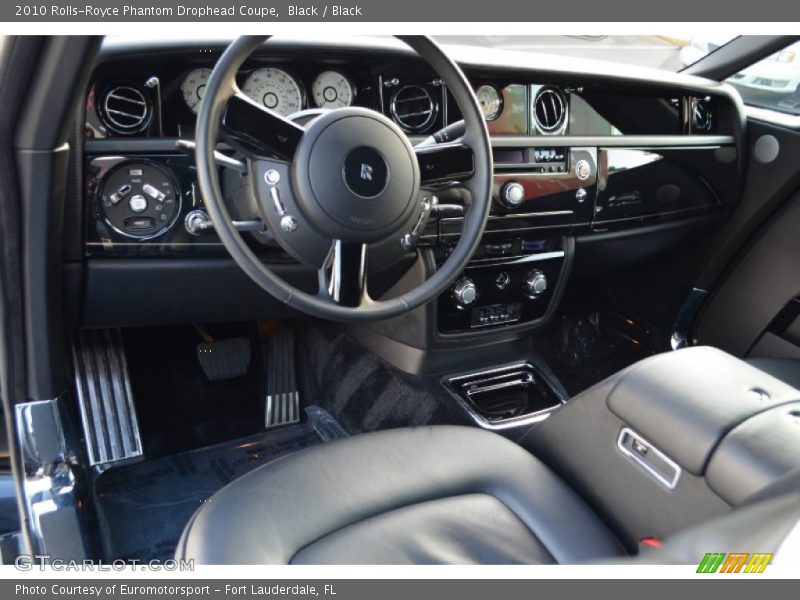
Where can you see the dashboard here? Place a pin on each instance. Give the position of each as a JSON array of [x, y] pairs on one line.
[[582, 154], [131, 98]]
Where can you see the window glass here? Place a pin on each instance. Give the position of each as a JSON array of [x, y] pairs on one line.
[[772, 83]]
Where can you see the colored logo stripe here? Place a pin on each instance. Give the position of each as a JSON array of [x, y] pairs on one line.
[[734, 562]]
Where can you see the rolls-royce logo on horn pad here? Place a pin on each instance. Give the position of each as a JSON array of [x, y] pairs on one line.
[[365, 172]]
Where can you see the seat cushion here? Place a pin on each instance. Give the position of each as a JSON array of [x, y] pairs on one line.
[[423, 495]]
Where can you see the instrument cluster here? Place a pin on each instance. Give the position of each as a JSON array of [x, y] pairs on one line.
[[277, 89], [127, 99]]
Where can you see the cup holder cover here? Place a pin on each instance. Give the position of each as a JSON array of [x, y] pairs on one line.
[[505, 396]]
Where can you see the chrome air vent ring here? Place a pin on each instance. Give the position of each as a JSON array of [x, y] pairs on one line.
[[702, 117], [125, 108], [414, 108], [549, 110]]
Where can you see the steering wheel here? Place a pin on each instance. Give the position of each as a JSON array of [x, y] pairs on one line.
[[346, 185]]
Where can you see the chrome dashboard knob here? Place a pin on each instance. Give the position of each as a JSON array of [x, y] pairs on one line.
[[535, 283], [465, 292], [512, 194]]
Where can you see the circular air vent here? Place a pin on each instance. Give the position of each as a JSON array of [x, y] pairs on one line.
[[550, 110], [414, 108], [701, 119], [125, 108]]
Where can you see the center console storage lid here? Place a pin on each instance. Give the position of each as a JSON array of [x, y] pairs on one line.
[[756, 453], [685, 402]]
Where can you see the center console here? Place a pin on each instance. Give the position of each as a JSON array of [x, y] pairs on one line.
[[540, 193]]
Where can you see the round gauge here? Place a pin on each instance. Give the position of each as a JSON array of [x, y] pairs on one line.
[[490, 100], [194, 87], [275, 89], [331, 89]]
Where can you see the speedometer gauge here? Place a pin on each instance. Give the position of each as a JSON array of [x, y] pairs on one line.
[[275, 89], [193, 88], [490, 100], [331, 89]]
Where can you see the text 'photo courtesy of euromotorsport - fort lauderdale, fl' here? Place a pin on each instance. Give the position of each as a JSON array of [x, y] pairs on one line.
[[399, 299], [199, 11], [185, 590]]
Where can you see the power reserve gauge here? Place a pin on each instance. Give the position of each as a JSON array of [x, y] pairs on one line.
[[331, 89]]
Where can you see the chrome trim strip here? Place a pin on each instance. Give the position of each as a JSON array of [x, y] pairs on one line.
[[516, 260], [548, 213], [637, 459], [618, 141]]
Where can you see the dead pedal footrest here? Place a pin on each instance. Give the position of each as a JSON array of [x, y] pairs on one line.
[[105, 400]]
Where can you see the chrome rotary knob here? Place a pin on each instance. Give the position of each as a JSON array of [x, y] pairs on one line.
[[535, 283], [465, 292]]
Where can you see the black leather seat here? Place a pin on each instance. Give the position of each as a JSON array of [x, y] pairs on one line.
[[425, 495], [785, 369]]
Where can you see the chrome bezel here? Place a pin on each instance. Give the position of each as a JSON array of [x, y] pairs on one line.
[[500, 101], [296, 80], [106, 114], [537, 92], [347, 78], [196, 107], [160, 230], [434, 108]]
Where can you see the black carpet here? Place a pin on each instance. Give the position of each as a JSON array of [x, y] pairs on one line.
[[365, 393], [169, 386], [582, 352], [142, 508]]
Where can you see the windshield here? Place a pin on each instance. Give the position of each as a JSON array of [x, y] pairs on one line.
[[772, 83], [667, 52]]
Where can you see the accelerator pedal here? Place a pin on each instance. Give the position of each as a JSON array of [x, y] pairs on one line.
[[105, 400], [282, 397]]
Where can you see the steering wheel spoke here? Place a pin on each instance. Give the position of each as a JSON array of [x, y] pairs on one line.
[[343, 275], [444, 163], [347, 181], [259, 127]]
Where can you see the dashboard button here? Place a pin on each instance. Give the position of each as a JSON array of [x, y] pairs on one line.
[[512, 194], [139, 223], [138, 203], [502, 280]]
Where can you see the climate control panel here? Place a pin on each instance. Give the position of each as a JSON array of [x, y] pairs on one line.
[[501, 291]]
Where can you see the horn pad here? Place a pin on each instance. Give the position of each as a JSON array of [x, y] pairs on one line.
[[355, 175]]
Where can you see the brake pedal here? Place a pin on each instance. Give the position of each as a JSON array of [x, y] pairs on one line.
[[224, 359], [105, 400], [282, 397]]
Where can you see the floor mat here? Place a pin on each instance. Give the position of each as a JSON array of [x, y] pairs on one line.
[[365, 393], [200, 412], [584, 350], [143, 508]]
